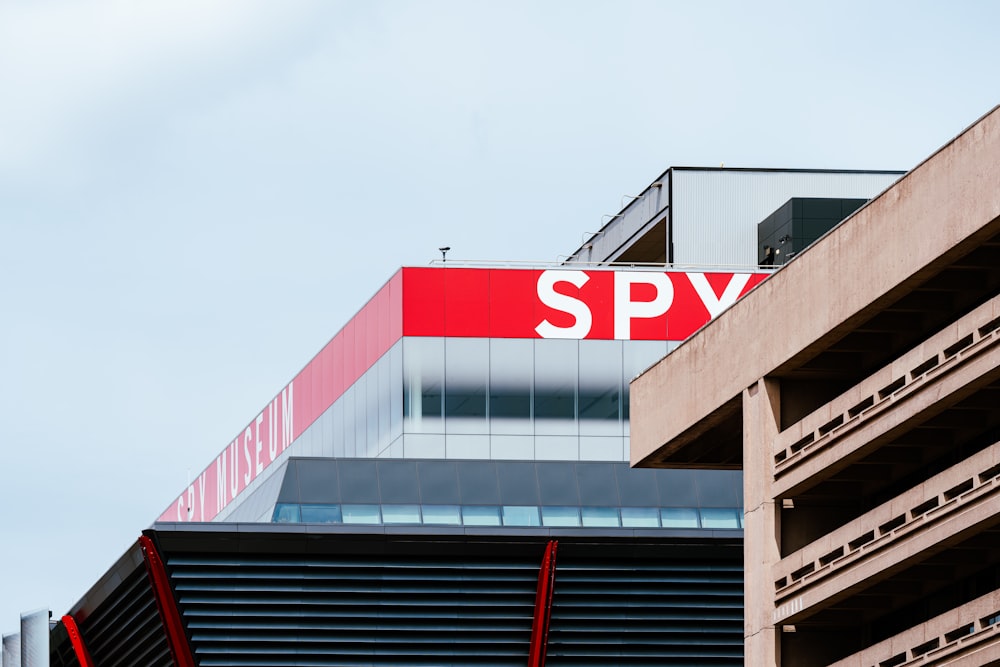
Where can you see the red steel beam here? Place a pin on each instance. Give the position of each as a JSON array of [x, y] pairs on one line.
[[76, 639], [543, 606], [170, 617]]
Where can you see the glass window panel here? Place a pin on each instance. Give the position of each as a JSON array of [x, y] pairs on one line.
[[372, 410], [517, 482], [398, 481], [676, 488], [719, 488], [423, 384], [438, 482], [557, 447], [442, 515], [384, 400], [321, 514], [556, 373], [640, 517], [338, 428], [511, 374], [286, 513], [520, 515], [348, 408], [423, 446], [467, 446], [719, 518], [478, 482], [557, 484], [477, 515], [600, 517], [516, 447], [637, 356], [396, 391], [601, 447], [361, 416], [598, 485], [467, 368], [318, 481], [561, 516], [361, 514], [358, 481], [600, 387], [408, 514], [637, 487], [679, 517], [289, 492]]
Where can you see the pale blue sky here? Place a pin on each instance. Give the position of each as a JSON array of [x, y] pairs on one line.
[[195, 196]]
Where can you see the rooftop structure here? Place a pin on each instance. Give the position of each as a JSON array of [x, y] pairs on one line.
[[403, 499], [865, 422]]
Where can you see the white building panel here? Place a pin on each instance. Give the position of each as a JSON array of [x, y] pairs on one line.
[[715, 211]]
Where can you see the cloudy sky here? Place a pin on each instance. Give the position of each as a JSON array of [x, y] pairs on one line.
[[195, 196]]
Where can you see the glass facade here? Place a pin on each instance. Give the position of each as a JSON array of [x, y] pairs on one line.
[[553, 494], [488, 398]]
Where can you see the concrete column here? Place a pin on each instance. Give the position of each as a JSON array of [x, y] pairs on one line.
[[761, 412]]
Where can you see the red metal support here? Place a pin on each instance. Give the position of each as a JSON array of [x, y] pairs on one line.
[[543, 606], [76, 639], [170, 617]]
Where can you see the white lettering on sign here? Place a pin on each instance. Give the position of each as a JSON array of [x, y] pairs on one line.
[[567, 304], [626, 309], [714, 304], [241, 461]]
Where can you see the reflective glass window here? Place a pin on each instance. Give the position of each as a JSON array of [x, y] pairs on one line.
[[478, 482], [561, 516], [423, 384], [398, 481], [600, 387], [438, 482], [338, 428], [557, 484], [679, 517], [358, 481], [677, 487], [637, 356], [640, 517], [598, 485], [361, 416], [361, 514], [396, 391], [517, 482], [600, 517], [349, 430], [321, 514], [719, 518], [372, 407], [286, 513], [318, 481], [520, 515], [511, 375], [637, 487], [408, 514], [384, 400], [442, 515], [556, 376], [467, 368], [479, 515], [719, 488]]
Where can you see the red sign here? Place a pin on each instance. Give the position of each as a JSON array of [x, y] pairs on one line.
[[462, 302]]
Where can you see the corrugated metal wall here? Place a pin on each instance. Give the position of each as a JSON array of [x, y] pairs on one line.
[[715, 212]]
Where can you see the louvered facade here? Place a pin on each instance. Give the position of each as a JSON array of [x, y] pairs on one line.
[[285, 595]]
